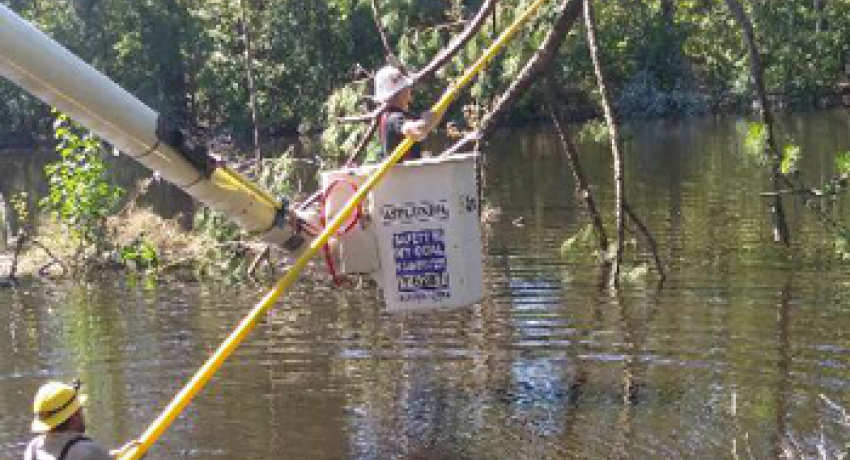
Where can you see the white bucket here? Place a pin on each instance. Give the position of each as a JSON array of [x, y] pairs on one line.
[[422, 238], [354, 248]]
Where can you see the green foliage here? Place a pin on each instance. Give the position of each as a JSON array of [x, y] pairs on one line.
[[840, 183], [223, 259], [81, 194], [140, 255], [635, 273], [842, 163], [215, 225], [842, 244], [790, 159], [20, 204], [275, 174], [580, 243], [643, 96], [594, 131], [339, 140], [755, 140]]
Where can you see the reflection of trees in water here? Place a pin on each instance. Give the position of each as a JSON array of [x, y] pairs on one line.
[[635, 331], [22, 172], [792, 435]]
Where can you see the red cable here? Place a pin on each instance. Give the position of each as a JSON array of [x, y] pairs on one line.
[[326, 249]]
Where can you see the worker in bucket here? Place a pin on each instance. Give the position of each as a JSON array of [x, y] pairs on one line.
[[61, 426], [393, 89]]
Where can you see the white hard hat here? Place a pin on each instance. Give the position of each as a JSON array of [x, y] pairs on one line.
[[389, 81]]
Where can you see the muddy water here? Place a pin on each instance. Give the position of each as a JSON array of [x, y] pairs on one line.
[[737, 354]]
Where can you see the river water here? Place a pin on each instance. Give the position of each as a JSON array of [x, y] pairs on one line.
[[738, 355]]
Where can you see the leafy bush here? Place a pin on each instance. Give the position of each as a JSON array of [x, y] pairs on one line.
[[642, 96], [81, 195]]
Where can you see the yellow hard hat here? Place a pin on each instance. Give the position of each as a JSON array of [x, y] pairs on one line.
[[55, 403]]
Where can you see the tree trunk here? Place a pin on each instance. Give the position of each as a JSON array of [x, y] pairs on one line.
[[249, 70], [781, 234], [616, 142], [566, 15]]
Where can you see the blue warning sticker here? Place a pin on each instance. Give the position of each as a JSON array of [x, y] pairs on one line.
[[421, 265]]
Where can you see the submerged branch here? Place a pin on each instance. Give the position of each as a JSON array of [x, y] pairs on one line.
[[571, 152], [650, 240], [808, 197]]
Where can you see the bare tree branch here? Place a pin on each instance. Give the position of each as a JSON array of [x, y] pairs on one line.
[[363, 118], [567, 14], [364, 141], [263, 255], [571, 152], [376, 13], [457, 43], [53, 260], [616, 140], [650, 240], [436, 63]]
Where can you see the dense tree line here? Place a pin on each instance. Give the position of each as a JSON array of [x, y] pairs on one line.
[[310, 60]]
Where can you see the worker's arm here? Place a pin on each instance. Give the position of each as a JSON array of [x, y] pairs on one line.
[[418, 129]]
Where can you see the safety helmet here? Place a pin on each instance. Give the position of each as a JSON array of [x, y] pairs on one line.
[[55, 403], [388, 82]]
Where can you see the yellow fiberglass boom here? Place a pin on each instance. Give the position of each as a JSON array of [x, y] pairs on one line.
[[50, 72]]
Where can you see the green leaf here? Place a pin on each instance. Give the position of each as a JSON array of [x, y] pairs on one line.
[[842, 162], [756, 139], [790, 158]]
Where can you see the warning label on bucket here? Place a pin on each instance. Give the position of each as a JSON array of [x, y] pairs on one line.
[[414, 211], [421, 267]]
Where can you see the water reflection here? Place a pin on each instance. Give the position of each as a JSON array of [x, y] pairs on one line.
[[732, 355]]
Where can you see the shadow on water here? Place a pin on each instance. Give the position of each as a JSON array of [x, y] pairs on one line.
[[735, 354]]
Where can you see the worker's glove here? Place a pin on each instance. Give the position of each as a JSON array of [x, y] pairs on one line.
[[124, 450]]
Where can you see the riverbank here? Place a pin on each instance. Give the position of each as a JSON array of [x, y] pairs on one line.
[[144, 243]]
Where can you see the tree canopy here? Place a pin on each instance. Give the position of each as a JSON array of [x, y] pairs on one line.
[[311, 59]]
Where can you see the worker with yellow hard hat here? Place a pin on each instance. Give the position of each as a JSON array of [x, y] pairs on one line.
[[61, 426]]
